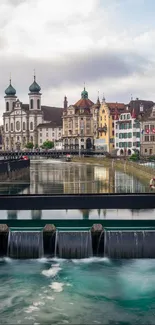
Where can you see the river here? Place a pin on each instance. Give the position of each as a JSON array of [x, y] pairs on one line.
[[87, 291], [48, 176]]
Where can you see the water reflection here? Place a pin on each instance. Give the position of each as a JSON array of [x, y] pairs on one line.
[[48, 176], [78, 214]]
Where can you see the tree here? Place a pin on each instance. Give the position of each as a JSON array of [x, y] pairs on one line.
[[29, 145], [48, 144]]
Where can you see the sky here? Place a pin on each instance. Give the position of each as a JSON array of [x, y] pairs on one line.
[[108, 44]]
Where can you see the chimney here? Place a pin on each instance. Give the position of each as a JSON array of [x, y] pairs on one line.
[[65, 102]]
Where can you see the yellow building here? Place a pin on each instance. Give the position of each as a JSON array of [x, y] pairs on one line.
[[107, 114]]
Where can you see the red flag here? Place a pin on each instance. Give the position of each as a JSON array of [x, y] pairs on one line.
[[147, 131], [153, 130]]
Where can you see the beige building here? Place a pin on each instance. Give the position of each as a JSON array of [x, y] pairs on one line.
[[49, 131], [20, 120], [148, 134], [80, 123]]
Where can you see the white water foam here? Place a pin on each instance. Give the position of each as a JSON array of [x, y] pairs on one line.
[[32, 308], [91, 260], [6, 259], [57, 286], [39, 303], [50, 298], [52, 272]]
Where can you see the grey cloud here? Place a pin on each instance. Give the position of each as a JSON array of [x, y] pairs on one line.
[[71, 69], [16, 2], [3, 43]]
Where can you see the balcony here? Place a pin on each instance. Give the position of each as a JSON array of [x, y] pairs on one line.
[[102, 129]]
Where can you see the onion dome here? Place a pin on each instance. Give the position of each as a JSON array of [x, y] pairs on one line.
[[84, 94], [10, 91], [34, 88]]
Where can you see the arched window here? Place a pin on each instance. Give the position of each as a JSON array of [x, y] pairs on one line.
[[38, 103], [31, 126], [23, 126], [7, 106], [17, 125], [31, 103]]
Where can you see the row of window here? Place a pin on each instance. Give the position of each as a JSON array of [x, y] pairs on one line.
[[125, 117], [18, 139], [149, 138], [8, 105], [128, 135], [128, 144], [53, 129], [18, 126], [32, 103], [53, 135], [124, 126]]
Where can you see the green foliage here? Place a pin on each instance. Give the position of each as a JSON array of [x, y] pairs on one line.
[[151, 158], [134, 157], [36, 146], [48, 145], [29, 145]]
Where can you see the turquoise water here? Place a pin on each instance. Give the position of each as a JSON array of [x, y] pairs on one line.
[[91, 291]]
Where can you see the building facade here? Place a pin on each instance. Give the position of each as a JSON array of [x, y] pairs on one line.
[[20, 120], [49, 132], [80, 123], [148, 134], [127, 134], [107, 114]]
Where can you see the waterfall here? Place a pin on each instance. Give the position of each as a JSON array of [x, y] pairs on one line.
[[73, 244], [25, 244], [129, 244]]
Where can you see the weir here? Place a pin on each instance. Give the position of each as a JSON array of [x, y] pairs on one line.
[[25, 244], [78, 242], [73, 244], [129, 244]]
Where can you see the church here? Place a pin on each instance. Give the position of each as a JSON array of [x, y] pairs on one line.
[[21, 121]]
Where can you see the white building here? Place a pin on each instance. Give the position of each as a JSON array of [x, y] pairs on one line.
[[49, 131], [20, 120], [58, 145], [127, 134]]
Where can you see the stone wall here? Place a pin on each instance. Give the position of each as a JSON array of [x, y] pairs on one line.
[[14, 170]]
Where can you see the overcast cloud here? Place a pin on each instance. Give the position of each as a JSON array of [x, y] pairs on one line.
[[108, 44]]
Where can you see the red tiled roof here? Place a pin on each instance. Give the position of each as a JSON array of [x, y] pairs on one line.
[[120, 106], [116, 108], [84, 103]]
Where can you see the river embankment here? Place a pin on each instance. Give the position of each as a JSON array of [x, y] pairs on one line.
[[141, 172]]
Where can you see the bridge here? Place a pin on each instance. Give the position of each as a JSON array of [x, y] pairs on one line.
[[53, 153], [78, 201]]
